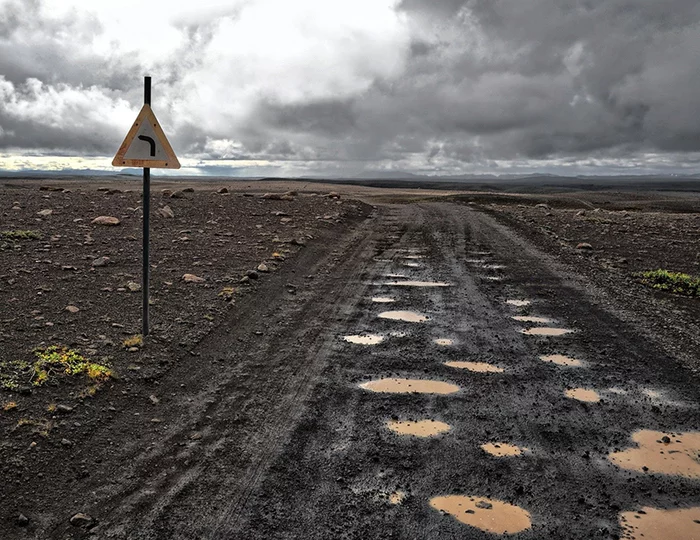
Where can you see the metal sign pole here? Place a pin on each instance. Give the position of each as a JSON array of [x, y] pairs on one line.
[[146, 219]]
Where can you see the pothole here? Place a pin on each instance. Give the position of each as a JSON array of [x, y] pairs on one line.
[[489, 515], [369, 339], [444, 342], [383, 300], [530, 319], [500, 449], [658, 524], [518, 303], [583, 394], [545, 331], [412, 283], [413, 264], [561, 360], [410, 386], [494, 266], [475, 261], [665, 453], [492, 278], [479, 367], [421, 428], [413, 257], [406, 316], [397, 497], [395, 276]]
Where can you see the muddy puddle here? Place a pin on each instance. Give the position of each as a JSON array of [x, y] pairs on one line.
[[518, 303], [397, 497], [413, 283], [501, 449], [420, 428], [406, 316], [583, 394], [561, 360], [545, 331], [369, 339], [444, 342], [413, 264], [675, 454], [478, 367], [489, 515], [409, 386], [531, 319], [658, 524], [383, 300]]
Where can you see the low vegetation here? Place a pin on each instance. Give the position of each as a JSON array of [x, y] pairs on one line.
[[20, 235], [133, 341], [674, 282]]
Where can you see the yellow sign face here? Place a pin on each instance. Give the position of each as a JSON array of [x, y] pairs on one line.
[[146, 145]]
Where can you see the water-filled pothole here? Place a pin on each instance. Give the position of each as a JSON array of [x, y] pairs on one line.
[[658, 524], [413, 283], [531, 319], [369, 339], [583, 394], [479, 367], [500, 449], [546, 331], [383, 300], [397, 497], [420, 428], [413, 264], [561, 360], [444, 342], [665, 453], [490, 515], [518, 303], [406, 316], [409, 386]]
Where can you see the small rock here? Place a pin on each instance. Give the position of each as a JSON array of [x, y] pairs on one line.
[[66, 442], [165, 212], [666, 439], [298, 242], [133, 286], [484, 505], [178, 195], [195, 436], [166, 192], [100, 261], [223, 190], [45, 213], [244, 279], [581, 213], [188, 190], [72, 309], [108, 221], [81, 520], [21, 520], [542, 205], [154, 399], [252, 274], [584, 245], [262, 267], [191, 278], [333, 195], [64, 409]]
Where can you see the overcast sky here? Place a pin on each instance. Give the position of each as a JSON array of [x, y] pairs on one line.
[[289, 87]]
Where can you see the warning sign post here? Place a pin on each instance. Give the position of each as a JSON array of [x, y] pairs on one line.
[[146, 146]]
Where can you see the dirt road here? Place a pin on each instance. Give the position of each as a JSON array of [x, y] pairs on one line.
[[288, 426]]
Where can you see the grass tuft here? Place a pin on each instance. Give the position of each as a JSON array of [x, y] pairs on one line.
[[674, 282], [133, 341], [21, 235]]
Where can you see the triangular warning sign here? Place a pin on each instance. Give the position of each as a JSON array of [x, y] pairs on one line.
[[146, 145]]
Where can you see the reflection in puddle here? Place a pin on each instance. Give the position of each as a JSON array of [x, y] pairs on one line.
[[413, 264], [492, 278], [444, 342], [657, 524], [476, 261], [518, 303], [407, 316], [410, 283], [479, 367], [408, 386], [664, 453], [370, 339], [422, 428], [494, 266], [414, 256], [396, 275], [383, 300], [545, 331], [397, 497], [561, 360], [490, 515], [583, 394], [538, 320], [500, 449]]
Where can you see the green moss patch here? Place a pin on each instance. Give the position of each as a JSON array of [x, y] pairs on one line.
[[674, 282]]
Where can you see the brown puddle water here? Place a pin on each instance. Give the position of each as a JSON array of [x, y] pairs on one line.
[[409, 386], [397, 497], [583, 394], [518, 303], [444, 342], [407, 316], [500, 449], [410, 283], [545, 331], [561, 360], [383, 300], [489, 515], [538, 320], [370, 339], [479, 367], [658, 524], [421, 428], [665, 453]]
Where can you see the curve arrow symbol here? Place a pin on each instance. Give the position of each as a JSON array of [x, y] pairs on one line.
[[150, 141]]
